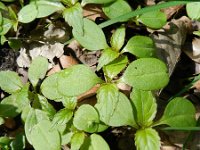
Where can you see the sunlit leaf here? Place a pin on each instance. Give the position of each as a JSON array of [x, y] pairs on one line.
[[77, 140], [193, 10]]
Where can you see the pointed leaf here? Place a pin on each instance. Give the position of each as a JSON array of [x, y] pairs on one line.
[[117, 39], [43, 137], [10, 82], [86, 118], [6, 26], [116, 9], [73, 16], [28, 13], [153, 19], [46, 8], [37, 70], [140, 46], [77, 140], [146, 74], [147, 139], [180, 112], [145, 105], [107, 56], [76, 80], [93, 37], [115, 67], [95, 142]]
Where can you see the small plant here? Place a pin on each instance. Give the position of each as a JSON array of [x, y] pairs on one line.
[[78, 125]]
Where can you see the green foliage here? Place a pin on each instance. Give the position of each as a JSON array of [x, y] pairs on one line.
[[154, 19], [140, 46], [77, 140], [146, 139], [145, 72], [116, 9], [84, 2], [93, 34], [193, 10]]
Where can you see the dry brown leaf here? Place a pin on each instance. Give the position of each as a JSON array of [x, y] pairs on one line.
[[170, 11], [53, 70], [197, 85], [92, 12], [67, 61]]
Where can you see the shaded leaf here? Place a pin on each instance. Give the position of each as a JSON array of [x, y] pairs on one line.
[[146, 74], [84, 2], [145, 105], [19, 142], [140, 46], [6, 26], [37, 69], [43, 137], [153, 19], [1, 120], [86, 118], [180, 112], [147, 139], [116, 9], [93, 37], [107, 56]]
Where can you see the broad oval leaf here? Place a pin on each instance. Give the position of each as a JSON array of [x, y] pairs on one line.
[[147, 139], [95, 142], [86, 118], [93, 37], [73, 16], [5, 26], [116, 9], [46, 8], [180, 112], [146, 74], [122, 113], [193, 10], [34, 116], [140, 46], [13, 105], [115, 67], [76, 80], [145, 105], [107, 56], [28, 13], [77, 140], [117, 39], [153, 19], [10, 81], [49, 87], [37, 69], [84, 2], [44, 137]]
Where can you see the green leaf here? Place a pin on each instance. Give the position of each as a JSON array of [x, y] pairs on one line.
[[116, 9], [95, 142], [77, 140], [37, 70], [3, 39], [153, 19], [15, 44], [49, 87], [43, 137], [117, 39], [19, 142], [140, 46], [86, 118], [115, 67], [193, 10], [93, 38], [1, 120], [73, 16], [10, 81], [107, 56], [69, 102], [76, 80], [114, 108], [4, 142], [3, 6], [46, 8], [34, 117], [147, 139], [1, 21], [180, 112], [145, 105], [12, 105], [6, 26], [62, 117], [146, 74], [84, 2], [28, 13]]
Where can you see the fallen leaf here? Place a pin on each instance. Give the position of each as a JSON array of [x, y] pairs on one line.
[[170, 11], [54, 69], [67, 61], [23, 60]]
